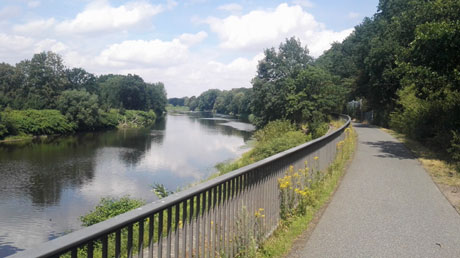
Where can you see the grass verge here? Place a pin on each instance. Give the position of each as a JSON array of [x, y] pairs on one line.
[[445, 175], [282, 240]]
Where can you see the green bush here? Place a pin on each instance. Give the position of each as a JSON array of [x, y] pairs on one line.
[[273, 130], [36, 122], [80, 107], [3, 130], [108, 119], [281, 143], [275, 137], [454, 149], [411, 114], [108, 208]]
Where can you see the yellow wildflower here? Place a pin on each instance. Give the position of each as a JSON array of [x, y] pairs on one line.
[[316, 158]]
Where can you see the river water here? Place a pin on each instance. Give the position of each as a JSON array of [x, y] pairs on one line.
[[47, 184]]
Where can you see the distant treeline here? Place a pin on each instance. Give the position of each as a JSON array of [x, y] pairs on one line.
[[404, 64], [42, 89], [231, 102]]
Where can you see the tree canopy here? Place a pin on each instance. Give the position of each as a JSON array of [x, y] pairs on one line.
[[404, 63], [39, 83], [86, 101]]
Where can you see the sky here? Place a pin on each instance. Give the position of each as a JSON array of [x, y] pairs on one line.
[[190, 45]]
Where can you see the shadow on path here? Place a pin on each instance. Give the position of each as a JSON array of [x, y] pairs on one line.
[[390, 149], [360, 125]]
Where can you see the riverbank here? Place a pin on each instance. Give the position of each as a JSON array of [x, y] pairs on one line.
[[275, 137], [21, 125]]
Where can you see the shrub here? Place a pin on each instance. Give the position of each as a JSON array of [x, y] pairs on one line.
[[454, 149], [3, 130], [80, 107], [108, 208], [275, 137], [274, 129], [36, 122], [411, 114], [108, 119]]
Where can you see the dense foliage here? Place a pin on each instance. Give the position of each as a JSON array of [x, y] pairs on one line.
[[288, 86], [404, 63], [108, 208], [34, 122], [52, 122], [87, 102], [275, 137]]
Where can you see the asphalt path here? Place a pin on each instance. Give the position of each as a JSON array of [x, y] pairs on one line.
[[386, 206]]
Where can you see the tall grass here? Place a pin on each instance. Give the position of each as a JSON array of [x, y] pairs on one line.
[[312, 197]]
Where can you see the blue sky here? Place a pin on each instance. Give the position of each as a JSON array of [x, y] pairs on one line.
[[190, 45]]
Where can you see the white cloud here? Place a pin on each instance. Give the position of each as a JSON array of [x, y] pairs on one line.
[[14, 48], [155, 53], [99, 16], [34, 27], [49, 45], [9, 43], [198, 73], [194, 2], [33, 4], [192, 39], [170, 4], [321, 41], [263, 29], [304, 3], [353, 15], [9, 11], [233, 7]]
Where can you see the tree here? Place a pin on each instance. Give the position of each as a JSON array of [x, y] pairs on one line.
[[10, 82], [157, 99], [312, 94], [192, 103], [44, 79], [270, 84], [79, 79], [80, 107], [207, 99]]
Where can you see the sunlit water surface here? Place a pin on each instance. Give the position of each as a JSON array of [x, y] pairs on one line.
[[46, 185]]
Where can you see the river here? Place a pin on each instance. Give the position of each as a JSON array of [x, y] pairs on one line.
[[47, 184]]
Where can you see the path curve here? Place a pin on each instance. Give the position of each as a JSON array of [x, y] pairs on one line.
[[386, 206]]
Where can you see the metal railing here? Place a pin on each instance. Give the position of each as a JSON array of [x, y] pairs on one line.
[[212, 219]]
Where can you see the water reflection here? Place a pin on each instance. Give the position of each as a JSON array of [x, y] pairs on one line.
[[46, 184]]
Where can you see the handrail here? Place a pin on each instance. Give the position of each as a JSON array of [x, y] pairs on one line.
[[238, 179]]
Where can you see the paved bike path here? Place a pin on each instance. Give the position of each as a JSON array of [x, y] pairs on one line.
[[386, 206]]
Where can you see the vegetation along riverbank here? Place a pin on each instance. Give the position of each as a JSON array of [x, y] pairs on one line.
[[41, 96]]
